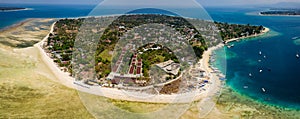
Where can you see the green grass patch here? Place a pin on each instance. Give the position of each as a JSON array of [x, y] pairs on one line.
[[105, 55]]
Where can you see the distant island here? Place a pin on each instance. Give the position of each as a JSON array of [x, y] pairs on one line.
[[11, 8], [281, 11]]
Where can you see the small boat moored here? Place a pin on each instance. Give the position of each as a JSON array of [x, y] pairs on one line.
[[263, 89], [260, 53], [250, 74], [230, 46]]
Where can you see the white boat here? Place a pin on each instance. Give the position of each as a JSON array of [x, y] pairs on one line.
[[250, 75], [260, 71], [245, 87], [297, 55], [260, 53], [265, 56], [263, 89]]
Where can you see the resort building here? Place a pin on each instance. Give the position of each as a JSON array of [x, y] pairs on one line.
[[170, 67]]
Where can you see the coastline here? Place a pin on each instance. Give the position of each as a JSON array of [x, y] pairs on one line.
[[278, 15], [232, 109], [16, 25], [207, 54], [60, 75], [266, 30], [257, 13], [114, 93], [14, 10]]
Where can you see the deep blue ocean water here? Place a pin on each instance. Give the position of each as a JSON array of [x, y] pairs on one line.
[[42, 11], [280, 75], [282, 82]]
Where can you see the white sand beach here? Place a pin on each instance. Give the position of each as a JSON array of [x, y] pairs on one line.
[[114, 93], [29, 67], [266, 30]]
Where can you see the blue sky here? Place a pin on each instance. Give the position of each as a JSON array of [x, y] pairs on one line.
[[241, 2], [202, 2]]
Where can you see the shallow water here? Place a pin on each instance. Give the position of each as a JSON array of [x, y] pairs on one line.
[[280, 67], [281, 83]]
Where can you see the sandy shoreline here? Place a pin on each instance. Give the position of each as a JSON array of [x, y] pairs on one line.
[[278, 15], [17, 10], [228, 110], [63, 77], [207, 54], [251, 36], [113, 93], [257, 13], [16, 25]]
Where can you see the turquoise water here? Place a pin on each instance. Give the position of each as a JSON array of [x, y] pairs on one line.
[[282, 82], [41, 11], [297, 41], [280, 75]]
